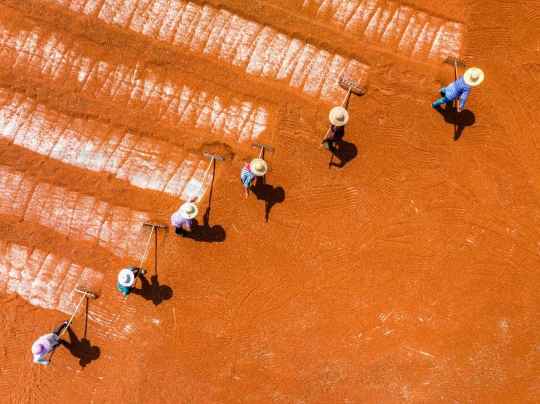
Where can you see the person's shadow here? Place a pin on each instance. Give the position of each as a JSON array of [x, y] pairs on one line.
[[343, 150], [81, 348], [206, 233], [153, 290], [269, 194], [460, 120]]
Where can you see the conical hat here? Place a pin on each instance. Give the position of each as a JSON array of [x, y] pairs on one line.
[[126, 278], [258, 167], [189, 210], [473, 76], [338, 116]]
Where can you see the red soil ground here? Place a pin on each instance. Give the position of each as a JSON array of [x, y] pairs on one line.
[[410, 274]]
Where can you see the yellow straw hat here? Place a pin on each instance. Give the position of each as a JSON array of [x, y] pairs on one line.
[[338, 116], [473, 76], [258, 167], [189, 210]]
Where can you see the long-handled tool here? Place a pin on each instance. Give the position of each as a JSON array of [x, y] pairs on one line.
[[213, 158], [154, 230], [86, 294], [352, 87], [455, 61], [263, 147]]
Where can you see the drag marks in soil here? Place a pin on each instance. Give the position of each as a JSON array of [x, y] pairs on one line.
[[399, 28], [77, 216], [154, 93], [143, 162], [43, 279], [257, 49]]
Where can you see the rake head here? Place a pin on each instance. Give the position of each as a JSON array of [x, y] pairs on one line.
[[262, 146], [352, 85], [454, 61], [217, 157], [156, 225], [86, 292]]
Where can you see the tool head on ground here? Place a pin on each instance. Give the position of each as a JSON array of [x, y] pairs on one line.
[[454, 61], [351, 85], [338, 116], [259, 167], [263, 146], [155, 225], [86, 292], [126, 278], [473, 76], [189, 210], [212, 156]]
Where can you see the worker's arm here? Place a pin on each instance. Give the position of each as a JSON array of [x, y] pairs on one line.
[[463, 98]]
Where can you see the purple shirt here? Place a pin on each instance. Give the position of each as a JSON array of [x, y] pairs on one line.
[[49, 341], [178, 221]]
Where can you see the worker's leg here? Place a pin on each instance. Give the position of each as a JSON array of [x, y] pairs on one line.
[[440, 101]]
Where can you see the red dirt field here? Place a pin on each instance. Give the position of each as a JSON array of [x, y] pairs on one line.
[[405, 271]]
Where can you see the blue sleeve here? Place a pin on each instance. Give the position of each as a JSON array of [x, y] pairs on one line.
[[463, 97]]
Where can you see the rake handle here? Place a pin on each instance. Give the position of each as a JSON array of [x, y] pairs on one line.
[[345, 102], [204, 178], [72, 316]]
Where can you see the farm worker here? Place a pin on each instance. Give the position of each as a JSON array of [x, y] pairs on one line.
[[250, 172], [126, 279], [461, 88], [184, 218], [47, 344], [338, 117]]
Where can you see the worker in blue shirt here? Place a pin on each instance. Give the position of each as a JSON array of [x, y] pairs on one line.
[[461, 88]]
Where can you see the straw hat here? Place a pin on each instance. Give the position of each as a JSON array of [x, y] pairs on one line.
[[258, 167], [38, 349], [473, 76], [126, 278], [338, 116], [189, 210]]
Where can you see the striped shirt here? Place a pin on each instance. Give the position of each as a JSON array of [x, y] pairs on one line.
[[246, 176], [458, 89]]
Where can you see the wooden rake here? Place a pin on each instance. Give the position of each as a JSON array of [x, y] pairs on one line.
[[86, 294]]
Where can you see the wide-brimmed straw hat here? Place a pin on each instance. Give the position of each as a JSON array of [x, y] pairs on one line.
[[338, 116], [126, 278], [258, 167], [189, 210], [473, 76]]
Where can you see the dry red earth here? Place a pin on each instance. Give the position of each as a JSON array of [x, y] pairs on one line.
[[407, 274]]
